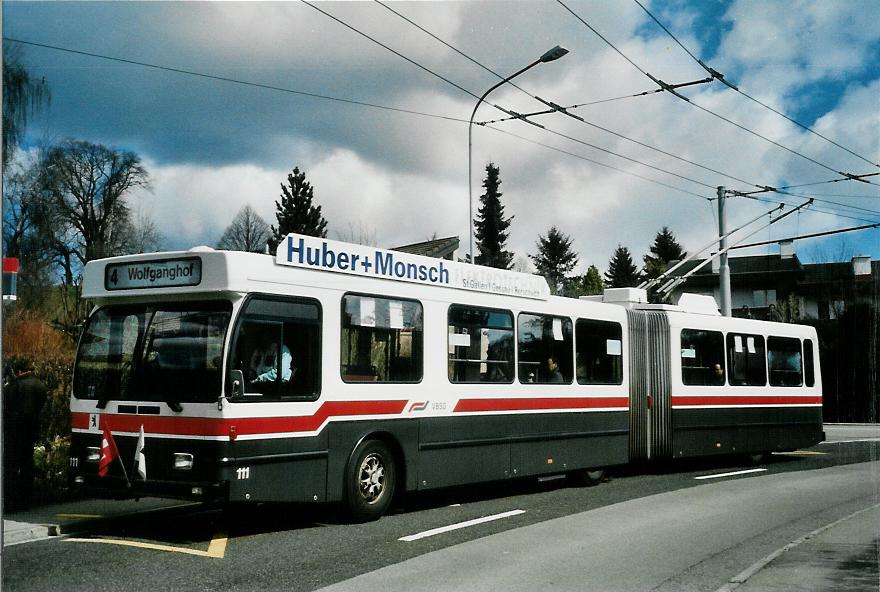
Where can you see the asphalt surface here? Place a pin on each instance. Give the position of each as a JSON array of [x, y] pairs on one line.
[[624, 546], [308, 548]]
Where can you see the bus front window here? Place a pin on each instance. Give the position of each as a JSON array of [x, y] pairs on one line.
[[170, 353]]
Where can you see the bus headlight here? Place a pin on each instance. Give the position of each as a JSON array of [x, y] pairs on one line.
[[93, 454], [183, 461]]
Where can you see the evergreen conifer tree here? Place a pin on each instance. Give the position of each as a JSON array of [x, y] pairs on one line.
[[295, 212], [555, 259], [622, 272], [588, 284], [664, 250], [490, 227]]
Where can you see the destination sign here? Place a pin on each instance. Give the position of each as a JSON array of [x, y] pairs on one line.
[[162, 273], [327, 255]]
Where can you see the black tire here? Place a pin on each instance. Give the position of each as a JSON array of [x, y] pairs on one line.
[[586, 477], [370, 480], [758, 458]]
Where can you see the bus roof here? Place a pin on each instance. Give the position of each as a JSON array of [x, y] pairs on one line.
[[203, 269]]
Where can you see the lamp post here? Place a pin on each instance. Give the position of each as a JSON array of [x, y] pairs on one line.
[[554, 54]]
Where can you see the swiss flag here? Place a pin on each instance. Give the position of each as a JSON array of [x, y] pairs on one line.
[[109, 452]]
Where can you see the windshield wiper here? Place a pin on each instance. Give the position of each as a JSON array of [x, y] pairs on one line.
[[175, 406]]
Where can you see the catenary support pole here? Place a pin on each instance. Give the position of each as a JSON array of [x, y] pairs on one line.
[[724, 270]]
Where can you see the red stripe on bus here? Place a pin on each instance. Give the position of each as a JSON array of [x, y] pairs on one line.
[[211, 426], [746, 400], [469, 405]]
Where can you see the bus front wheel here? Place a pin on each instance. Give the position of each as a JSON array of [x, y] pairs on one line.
[[369, 481]]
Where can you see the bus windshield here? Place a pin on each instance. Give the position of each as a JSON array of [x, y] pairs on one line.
[[158, 352]]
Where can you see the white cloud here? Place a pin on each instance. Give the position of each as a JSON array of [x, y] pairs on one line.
[[193, 205], [791, 43], [405, 176]]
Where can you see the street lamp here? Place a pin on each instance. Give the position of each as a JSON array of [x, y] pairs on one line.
[[554, 54]]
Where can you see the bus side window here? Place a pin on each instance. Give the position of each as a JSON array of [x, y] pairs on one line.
[[599, 358], [809, 371], [545, 349], [277, 349], [784, 361], [746, 360], [480, 344], [381, 339], [702, 357]]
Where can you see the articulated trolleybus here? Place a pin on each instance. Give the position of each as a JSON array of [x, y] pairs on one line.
[[337, 372]]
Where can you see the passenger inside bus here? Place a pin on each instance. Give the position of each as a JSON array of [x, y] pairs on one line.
[[264, 363], [553, 373]]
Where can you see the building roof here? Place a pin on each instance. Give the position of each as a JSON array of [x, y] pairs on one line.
[[769, 270], [752, 264], [441, 248]]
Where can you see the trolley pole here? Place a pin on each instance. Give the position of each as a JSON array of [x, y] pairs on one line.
[[724, 270]]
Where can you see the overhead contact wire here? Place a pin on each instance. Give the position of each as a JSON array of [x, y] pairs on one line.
[[720, 77], [563, 110], [231, 80], [708, 111]]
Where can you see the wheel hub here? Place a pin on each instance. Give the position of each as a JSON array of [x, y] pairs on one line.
[[372, 478]]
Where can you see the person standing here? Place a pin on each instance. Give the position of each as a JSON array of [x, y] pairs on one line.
[[23, 400]]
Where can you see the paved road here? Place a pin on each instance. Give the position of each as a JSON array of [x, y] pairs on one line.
[[848, 432], [306, 548], [672, 541]]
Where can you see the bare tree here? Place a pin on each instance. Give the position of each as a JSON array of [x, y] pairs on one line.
[[143, 235], [247, 232], [522, 265], [22, 96], [20, 201], [22, 205], [359, 234], [87, 215]]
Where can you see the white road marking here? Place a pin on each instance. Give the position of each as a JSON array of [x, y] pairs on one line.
[[442, 529], [730, 474], [850, 441], [801, 453]]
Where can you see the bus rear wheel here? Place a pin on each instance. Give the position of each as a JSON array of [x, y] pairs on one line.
[[586, 477], [370, 480]]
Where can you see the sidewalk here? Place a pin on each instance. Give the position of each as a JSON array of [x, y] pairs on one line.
[[840, 557], [49, 520]]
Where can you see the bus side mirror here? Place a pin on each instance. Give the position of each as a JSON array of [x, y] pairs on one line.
[[237, 378]]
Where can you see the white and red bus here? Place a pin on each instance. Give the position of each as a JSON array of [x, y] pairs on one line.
[[338, 372]]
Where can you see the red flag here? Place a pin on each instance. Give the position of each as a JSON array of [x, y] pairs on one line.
[[109, 452]]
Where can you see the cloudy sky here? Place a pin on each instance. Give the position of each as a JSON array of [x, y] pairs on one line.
[[382, 132]]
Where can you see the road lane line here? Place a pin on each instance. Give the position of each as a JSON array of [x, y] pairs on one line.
[[801, 453], [730, 474], [442, 529], [850, 441], [69, 516], [216, 548]]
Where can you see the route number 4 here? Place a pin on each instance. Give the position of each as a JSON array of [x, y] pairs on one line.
[[243, 473]]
